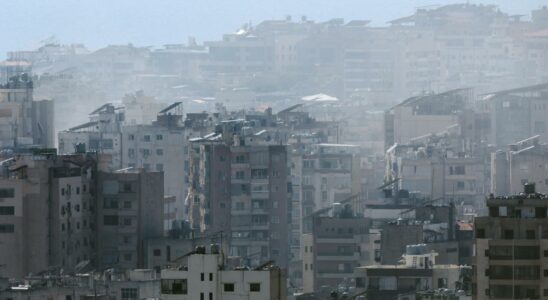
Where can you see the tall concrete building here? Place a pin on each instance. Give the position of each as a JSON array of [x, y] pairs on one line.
[[511, 247], [239, 185], [129, 211], [336, 245], [24, 122], [161, 147], [47, 215], [102, 134]]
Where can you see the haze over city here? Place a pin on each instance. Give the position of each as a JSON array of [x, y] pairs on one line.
[[150, 23], [301, 150]]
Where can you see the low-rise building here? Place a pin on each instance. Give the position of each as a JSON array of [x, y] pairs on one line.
[[417, 271], [204, 277]]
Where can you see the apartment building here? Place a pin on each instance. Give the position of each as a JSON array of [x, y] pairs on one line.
[[239, 185], [46, 213], [110, 284], [337, 244], [129, 211], [102, 134], [205, 277], [161, 147], [425, 114], [330, 174], [523, 162], [439, 168], [417, 271], [517, 114], [24, 122], [511, 247]]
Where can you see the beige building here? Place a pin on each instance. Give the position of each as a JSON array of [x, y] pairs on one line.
[[511, 247], [102, 134], [24, 122], [205, 277], [523, 162], [416, 272], [46, 213], [422, 115]]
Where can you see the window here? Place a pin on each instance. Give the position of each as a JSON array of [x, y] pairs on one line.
[[109, 203], [275, 220], [254, 287], [110, 220], [127, 204], [7, 193], [202, 296], [7, 228], [442, 283], [7, 210], [240, 174], [127, 256], [159, 152], [157, 252], [174, 286], [127, 221], [127, 239], [210, 296], [526, 252], [539, 127], [126, 187], [202, 276], [228, 287], [160, 167], [480, 233], [129, 294], [107, 144], [146, 138], [131, 152], [530, 234], [159, 137], [508, 234], [131, 137], [210, 276]]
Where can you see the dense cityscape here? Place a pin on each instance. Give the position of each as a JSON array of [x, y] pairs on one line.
[[291, 159]]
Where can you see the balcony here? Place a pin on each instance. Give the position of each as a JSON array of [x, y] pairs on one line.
[[338, 256]]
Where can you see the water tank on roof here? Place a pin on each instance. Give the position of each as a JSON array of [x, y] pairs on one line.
[[214, 248], [200, 249], [529, 188]]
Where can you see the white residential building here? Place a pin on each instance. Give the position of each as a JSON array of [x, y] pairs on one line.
[[205, 278]]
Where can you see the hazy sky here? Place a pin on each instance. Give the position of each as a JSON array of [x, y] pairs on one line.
[[96, 23]]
